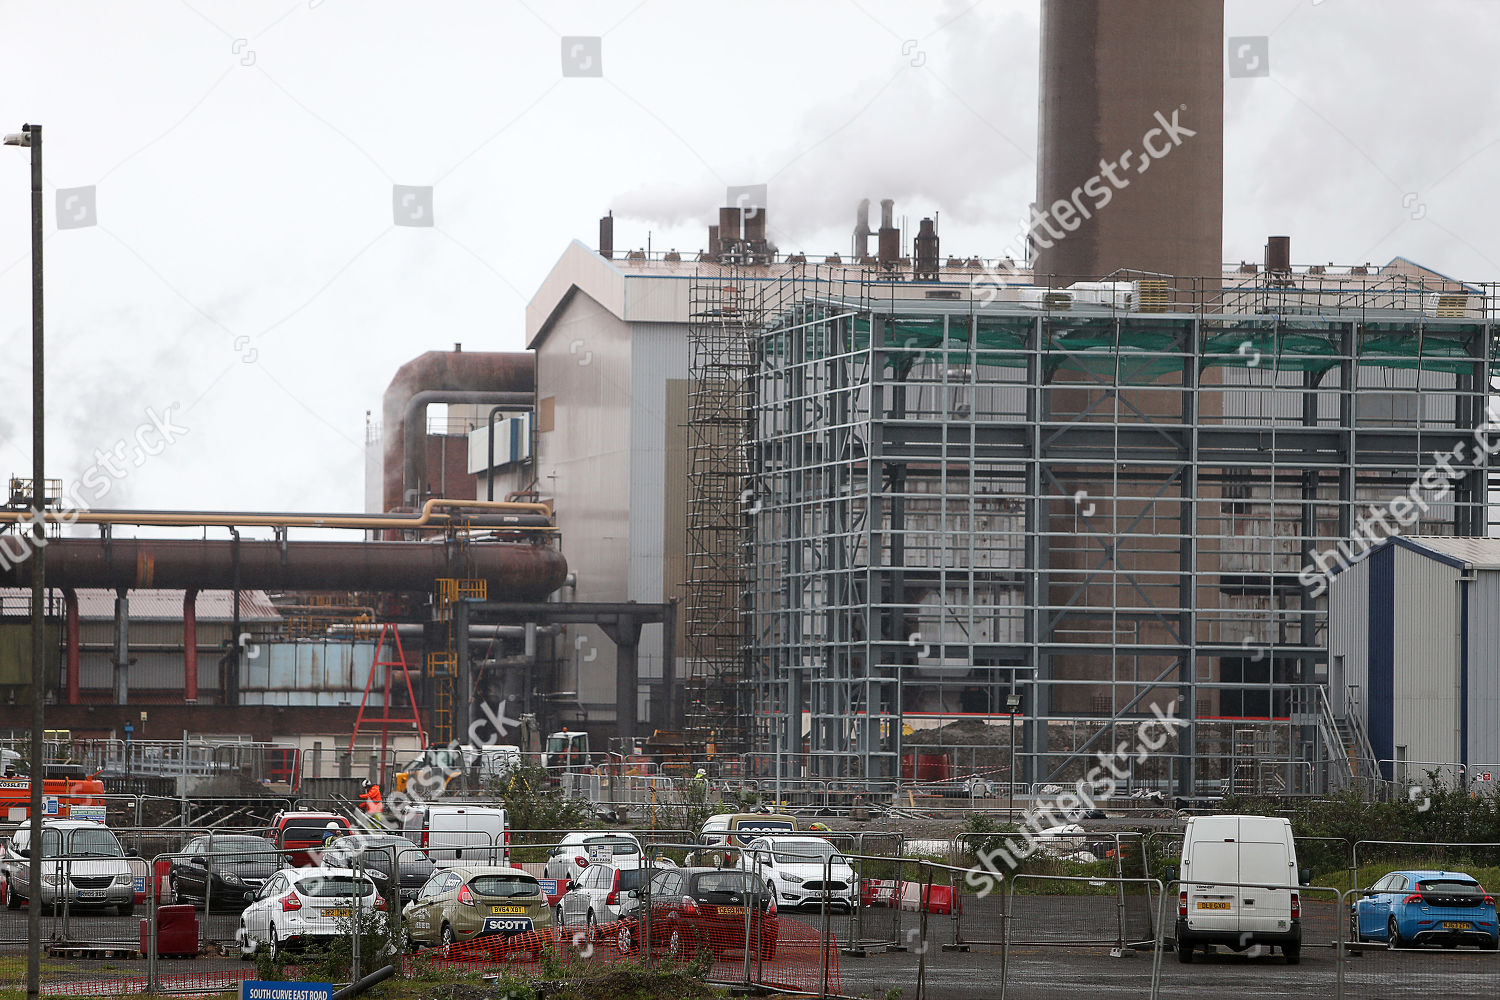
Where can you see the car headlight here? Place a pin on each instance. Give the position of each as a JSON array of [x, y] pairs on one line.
[[230, 878], [51, 879], [126, 879], [794, 879]]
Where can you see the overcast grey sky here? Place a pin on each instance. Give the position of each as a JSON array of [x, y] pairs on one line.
[[243, 261]]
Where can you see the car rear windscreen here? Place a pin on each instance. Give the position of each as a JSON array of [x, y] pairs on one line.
[[616, 846], [299, 831], [1447, 885], [334, 885], [632, 879], [504, 885], [720, 883]]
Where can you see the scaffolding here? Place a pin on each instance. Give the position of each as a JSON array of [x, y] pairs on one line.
[[1070, 496]]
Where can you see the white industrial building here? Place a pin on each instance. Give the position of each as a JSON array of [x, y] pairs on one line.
[[1414, 651]]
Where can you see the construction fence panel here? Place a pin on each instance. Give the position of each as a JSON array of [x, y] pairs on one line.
[[1067, 935], [1438, 946], [1244, 967]]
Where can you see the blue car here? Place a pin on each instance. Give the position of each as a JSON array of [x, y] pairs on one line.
[[1417, 907]]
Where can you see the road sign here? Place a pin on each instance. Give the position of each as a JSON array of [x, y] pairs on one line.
[[252, 989], [49, 805], [1485, 776]]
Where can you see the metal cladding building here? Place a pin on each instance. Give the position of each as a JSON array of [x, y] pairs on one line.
[[1414, 646]]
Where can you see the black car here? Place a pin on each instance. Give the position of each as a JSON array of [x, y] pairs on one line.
[[217, 871], [374, 852]]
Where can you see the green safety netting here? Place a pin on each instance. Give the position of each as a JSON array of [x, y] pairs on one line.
[[1138, 352]]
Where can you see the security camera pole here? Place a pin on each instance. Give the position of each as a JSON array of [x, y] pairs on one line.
[[31, 135]]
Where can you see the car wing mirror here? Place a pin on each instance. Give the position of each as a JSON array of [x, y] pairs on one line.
[[249, 897], [1304, 876], [1170, 873]]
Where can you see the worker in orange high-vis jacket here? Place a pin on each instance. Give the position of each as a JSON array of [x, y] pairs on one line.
[[373, 804]]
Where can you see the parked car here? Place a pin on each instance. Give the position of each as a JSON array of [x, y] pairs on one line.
[[462, 903], [794, 869], [602, 894], [725, 834], [1222, 854], [83, 865], [302, 906], [578, 850], [375, 853], [304, 832], [1422, 906], [692, 909], [217, 871], [460, 835]]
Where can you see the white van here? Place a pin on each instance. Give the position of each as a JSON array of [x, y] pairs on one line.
[[460, 835], [1226, 863]]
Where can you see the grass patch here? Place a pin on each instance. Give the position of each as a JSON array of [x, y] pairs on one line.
[[1371, 872]]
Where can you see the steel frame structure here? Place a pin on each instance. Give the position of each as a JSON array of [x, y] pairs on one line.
[[965, 495]]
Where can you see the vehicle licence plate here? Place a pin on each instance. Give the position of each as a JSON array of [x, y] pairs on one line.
[[507, 909], [335, 913], [1455, 925], [507, 925], [1204, 905], [731, 911], [99, 894]]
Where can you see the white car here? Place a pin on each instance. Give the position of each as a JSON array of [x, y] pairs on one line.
[[300, 906], [794, 869], [579, 850], [83, 865]]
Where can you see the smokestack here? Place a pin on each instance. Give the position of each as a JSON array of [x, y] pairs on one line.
[[1279, 255], [925, 251], [715, 248], [1127, 82], [861, 246], [729, 226], [607, 236], [755, 225], [888, 241]]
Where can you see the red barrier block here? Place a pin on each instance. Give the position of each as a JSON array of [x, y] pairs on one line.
[[934, 898], [877, 892], [176, 932]]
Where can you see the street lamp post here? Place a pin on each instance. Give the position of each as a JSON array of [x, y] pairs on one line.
[[1012, 702], [31, 136]]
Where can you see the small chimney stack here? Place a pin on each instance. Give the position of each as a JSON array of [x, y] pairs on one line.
[[1279, 260], [861, 245], [888, 243], [729, 226], [607, 235], [715, 248], [925, 250]]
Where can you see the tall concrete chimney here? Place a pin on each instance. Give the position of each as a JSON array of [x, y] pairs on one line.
[[1130, 83]]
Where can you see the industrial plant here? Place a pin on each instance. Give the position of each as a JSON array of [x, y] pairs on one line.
[[824, 515]]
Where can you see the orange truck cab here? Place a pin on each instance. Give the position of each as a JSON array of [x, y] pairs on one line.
[[67, 789]]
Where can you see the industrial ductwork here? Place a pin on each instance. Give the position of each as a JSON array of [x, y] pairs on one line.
[[513, 571], [451, 371]]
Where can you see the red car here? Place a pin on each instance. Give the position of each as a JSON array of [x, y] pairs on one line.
[[696, 908], [301, 832]]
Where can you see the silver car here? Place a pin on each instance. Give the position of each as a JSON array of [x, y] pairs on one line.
[[83, 865]]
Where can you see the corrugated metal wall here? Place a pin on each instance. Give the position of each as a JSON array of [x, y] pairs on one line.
[[1484, 669], [311, 673], [1425, 661], [1349, 640]]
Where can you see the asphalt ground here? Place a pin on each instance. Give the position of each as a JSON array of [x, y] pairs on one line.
[[1035, 969]]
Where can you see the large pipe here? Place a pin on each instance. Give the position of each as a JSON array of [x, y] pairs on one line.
[[456, 370], [514, 571], [509, 514], [122, 645], [414, 426], [70, 612], [190, 645]]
